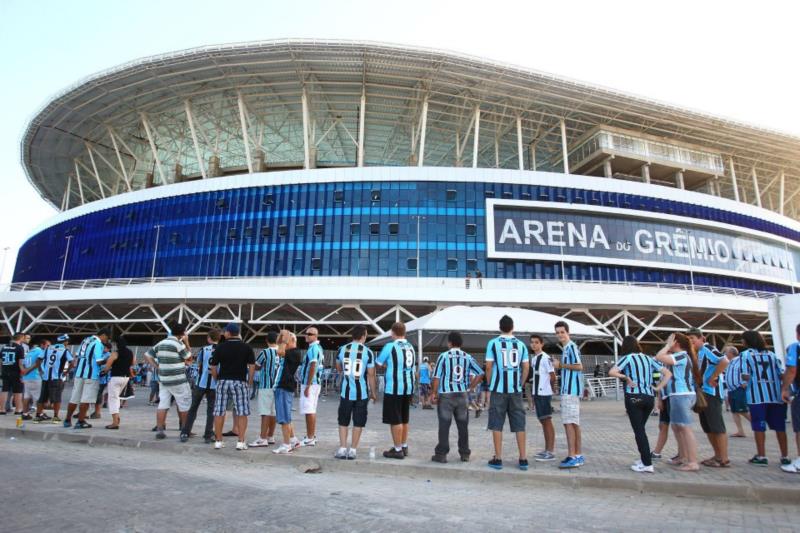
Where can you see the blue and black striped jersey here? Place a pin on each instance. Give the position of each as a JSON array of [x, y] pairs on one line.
[[400, 361], [56, 358], [204, 378], [766, 372], [507, 355], [454, 369], [709, 357], [314, 354], [267, 365], [681, 382], [639, 368], [571, 380], [90, 356], [355, 360]]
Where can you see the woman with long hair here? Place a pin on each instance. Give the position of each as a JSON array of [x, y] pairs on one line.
[[681, 359], [119, 363], [637, 370]]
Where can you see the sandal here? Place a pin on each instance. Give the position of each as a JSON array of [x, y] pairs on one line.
[[738, 436], [112, 426], [675, 461], [689, 468], [711, 461]]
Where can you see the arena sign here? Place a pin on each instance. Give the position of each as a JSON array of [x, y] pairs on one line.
[[596, 234]]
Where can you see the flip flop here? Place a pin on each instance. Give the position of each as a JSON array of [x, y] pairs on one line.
[[738, 436], [687, 468]]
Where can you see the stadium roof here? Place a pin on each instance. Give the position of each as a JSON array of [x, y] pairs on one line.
[[185, 115]]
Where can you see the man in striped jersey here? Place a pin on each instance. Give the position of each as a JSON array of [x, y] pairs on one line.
[[356, 363], [310, 374], [791, 387], [266, 368], [455, 373], [712, 367], [737, 395], [507, 367], [400, 361], [205, 386], [571, 392], [544, 379], [90, 358], [56, 361], [170, 357], [762, 372]]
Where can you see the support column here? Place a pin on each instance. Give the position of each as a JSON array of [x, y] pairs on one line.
[[733, 179], [245, 138], [197, 152], [94, 169], [475, 139], [519, 143], [80, 184], [119, 159], [361, 112], [496, 153], [679, 180], [65, 203], [532, 148], [149, 133], [782, 194], [755, 187], [564, 146], [423, 128], [306, 147], [608, 172], [645, 170]]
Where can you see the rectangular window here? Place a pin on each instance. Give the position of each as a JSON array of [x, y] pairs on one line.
[[300, 229], [232, 233], [394, 228], [375, 195], [175, 238], [283, 229], [452, 264], [248, 232], [452, 194], [488, 194], [319, 229], [355, 228], [338, 196], [316, 263], [472, 230], [298, 264], [472, 265], [269, 199], [411, 263], [374, 228], [266, 231], [526, 196], [221, 203], [508, 194]]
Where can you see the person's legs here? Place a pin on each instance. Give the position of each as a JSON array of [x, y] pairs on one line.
[[783, 444], [497, 441], [691, 447], [549, 434], [638, 408], [444, 412], [760, 438], [461, 415], [191, 415], [356, 437], [211, 396], [569, 431], [397, 435]]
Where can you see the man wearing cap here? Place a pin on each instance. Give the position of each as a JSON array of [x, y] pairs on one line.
[[54, 367], [170, 357], [233, 365]]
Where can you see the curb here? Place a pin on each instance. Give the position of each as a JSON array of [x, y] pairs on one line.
[[762, 494]]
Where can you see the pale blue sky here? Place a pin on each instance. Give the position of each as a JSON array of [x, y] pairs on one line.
[[736, 59]]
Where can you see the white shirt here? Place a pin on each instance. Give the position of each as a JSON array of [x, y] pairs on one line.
[[541, 377]]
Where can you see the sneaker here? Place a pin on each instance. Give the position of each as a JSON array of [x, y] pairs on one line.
[[258, 443], [184, 437], [270, 441], [309, 442], [160, 435], [785, 461], [569, 462], [759, 461], [792, 468], [464, 458], [82, 425], [207, 440], [241, 446], [295, 444], [44, 416], [283, 449], [27, 417], [341, 453], [95, 416], [544, 456], [580, 460], [495, 463], [405, 451], [523, 464], [39, 419], [436, 458], [218, 445], [478, 412], [351, 454], [639, 467], [67, 423], [392, 453], [56, 420]]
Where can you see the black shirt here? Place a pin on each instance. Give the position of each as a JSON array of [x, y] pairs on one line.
[[291, 361], [233, 355], [10, 357], [121, 367]]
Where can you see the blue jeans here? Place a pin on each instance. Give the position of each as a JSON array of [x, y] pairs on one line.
[[283, 406]]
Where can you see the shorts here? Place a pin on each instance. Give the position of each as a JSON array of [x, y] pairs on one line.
[[711, 419], [395, 408], [308, 406], [484, 386], [13, 384], [51, 391], [796, 414], [570, 409], [84, 391], [233, 389], [768, 414], [543, 406], [33, 389], [502, 405], [738, 400], [663, 416], [283, 406], [425, 389], [355, 409], [265, 402], [181, 392], [680, 409]]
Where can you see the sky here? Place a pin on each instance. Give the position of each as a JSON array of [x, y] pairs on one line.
[[733, 59]]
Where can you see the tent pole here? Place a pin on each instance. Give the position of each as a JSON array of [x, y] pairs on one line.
[[419, 361]]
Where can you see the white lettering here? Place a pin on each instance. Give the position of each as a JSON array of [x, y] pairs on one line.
[[573, 233], [555, 233], [663, 242], [644, 241], [510, 232], [598, 237], [723, 252], [680, 245], [533, 228]]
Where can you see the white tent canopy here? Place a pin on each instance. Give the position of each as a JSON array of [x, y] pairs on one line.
[[478, 324]]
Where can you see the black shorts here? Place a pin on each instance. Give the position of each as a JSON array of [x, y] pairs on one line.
[[502, 405], [663, 416], [12, 383], [395, 408], [543, 406], [355, 409], [711, 417]]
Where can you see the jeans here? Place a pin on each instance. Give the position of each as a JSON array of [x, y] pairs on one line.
[[453, 405], [197, 396], [639, 407]]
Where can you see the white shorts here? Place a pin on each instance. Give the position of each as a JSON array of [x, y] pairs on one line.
[[182, 394], [33, 389], [308, 406], [84, 391], [571, 410], [265, 402]]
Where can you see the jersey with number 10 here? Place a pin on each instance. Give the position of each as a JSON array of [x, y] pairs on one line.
[[507, 355], [400, 360], [355, 360]]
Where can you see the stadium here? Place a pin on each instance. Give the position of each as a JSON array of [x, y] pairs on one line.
[[296, 182]]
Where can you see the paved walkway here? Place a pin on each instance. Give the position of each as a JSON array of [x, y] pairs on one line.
[[607, 441]]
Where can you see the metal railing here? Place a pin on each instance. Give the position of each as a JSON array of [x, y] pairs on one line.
[[494, 284]]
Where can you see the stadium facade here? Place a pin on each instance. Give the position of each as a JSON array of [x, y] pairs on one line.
[[334, 183]]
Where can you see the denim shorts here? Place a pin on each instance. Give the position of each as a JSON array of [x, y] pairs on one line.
[[680, 409], [283, 406]]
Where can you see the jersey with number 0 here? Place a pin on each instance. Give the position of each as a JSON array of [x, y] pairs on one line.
[[267, 363], [400, 361], [56, 357], [90, 356], [10, 357], [454, 369], [313, 355], [766, 372], [571, 380], [355, 360], [507, 355]]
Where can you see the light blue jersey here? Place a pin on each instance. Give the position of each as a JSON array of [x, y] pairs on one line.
[[30, 360]]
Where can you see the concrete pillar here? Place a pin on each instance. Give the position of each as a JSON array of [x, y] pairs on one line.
[[646, 173], [148, 180], [607, 170], [260, 161], [312, 157], [178, 177], [679, 183], [214, 169]]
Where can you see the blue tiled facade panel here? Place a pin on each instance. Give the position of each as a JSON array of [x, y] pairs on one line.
[[334, 229]]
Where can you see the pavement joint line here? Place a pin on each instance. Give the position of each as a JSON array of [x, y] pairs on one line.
[[574, 480]]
